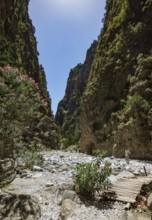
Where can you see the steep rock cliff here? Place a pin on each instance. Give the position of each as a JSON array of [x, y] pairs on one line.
[[69, 108], [18, 48], [18, 44], [117, 104]]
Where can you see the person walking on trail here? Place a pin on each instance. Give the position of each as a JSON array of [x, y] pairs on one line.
[[127, 153]]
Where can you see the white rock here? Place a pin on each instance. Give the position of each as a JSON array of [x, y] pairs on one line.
[[127, 206], [149, 202], [67, 209], [49, 184], [136, 172], [107, 160], [128, 168], [69, 194], [37, 168]]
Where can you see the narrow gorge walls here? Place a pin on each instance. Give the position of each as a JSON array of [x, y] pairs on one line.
[[26, 120], [69, 108], [109, 100], [117, 103]]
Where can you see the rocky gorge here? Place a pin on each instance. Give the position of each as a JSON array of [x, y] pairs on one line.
[[115, 105], [107, 106], [47, 192]]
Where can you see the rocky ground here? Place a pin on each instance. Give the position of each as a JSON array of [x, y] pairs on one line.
[[52, 186]]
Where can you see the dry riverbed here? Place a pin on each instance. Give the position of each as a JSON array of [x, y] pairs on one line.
[[52, 186]]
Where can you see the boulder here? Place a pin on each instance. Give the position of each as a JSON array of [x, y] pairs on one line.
[[138, 216], [18, 206], [67, 209], [69, 194], [149, 202], [37, 168], [7, 170]]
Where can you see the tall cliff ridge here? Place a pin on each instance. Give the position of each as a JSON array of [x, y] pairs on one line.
[[69, 108], [117, 104], [18, 44], [33, 123]]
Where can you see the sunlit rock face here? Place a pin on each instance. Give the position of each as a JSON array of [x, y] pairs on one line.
[[117, 104]]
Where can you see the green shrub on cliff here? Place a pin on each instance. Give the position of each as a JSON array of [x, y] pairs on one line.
[[136, 101], [22, 111]]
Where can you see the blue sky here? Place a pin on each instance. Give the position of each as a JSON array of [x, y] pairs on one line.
[[65, 30]]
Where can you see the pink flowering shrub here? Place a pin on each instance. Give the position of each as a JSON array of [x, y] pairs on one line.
[[23, 113]]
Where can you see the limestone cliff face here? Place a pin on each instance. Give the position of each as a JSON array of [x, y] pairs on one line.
[[69, 108], [18, 48], [117, 104]]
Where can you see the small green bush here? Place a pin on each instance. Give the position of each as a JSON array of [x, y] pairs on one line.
[[71, 139], [65, 142], [131, 79], [99, 152], [136, 102], [91, 178], [31, 158], [138, 28]]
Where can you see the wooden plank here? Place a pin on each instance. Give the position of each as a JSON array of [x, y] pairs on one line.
[[141, 181], [147, 179], [122, 199], [134, 183], [128, 183], [129, 193], [125, 199], [127, 196], [127, 186], [131, 182], [136, 180], [131, 188], [127, 190]]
